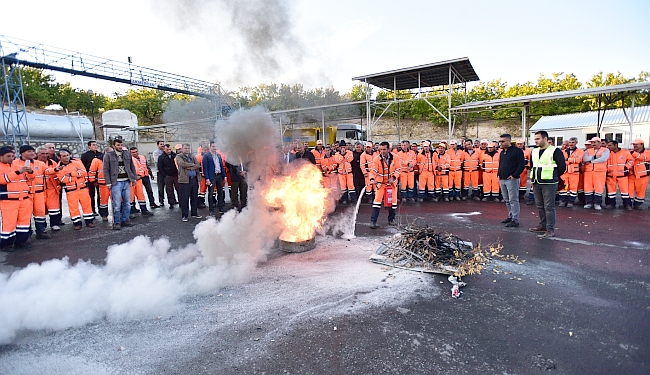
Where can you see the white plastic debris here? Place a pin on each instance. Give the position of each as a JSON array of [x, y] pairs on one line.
[[455, 289]]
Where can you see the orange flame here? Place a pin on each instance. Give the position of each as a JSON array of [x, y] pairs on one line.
[[302, 198]]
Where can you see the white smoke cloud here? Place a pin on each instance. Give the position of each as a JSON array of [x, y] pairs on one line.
[[145, 278]]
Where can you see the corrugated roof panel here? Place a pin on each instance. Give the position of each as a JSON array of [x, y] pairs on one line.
[[589, 119]]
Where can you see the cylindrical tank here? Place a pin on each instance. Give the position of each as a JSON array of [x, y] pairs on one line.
[[56, 128]]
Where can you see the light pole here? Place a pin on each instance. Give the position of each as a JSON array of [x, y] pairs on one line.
[[92, 110]]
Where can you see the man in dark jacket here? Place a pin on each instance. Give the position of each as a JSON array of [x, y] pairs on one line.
[[357, 174], [301, 153], [119, 173], [238, 185], [214, 173], [167, 167], [511, 165], [87, 159]]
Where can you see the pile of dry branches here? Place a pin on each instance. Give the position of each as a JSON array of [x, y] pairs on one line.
[[422, 247]]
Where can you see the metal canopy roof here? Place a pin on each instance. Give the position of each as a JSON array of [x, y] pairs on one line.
[[429, 75], [611, 117], [556, 95]]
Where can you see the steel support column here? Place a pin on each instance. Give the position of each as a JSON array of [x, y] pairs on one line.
[[12, 105]]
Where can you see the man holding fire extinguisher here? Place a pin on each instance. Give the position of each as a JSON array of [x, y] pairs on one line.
[[384, 173]]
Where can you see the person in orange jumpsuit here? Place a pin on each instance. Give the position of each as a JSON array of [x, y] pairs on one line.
[[490, 166], [471, 168], [203, 187], [328, 167], [427, 168], [367, 157], [15, 204], [36, 188], [619, 165], [52, 189], [638, 181], [318, 152], [72, 175], [343, 160], [595, 160], [455, 157], [442, 172], [523, 179], [384, 173], [137, 188], [573, 157], [96, 177], [407, 160]]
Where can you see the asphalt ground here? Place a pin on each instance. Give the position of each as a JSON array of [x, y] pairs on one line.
[[579, 304]]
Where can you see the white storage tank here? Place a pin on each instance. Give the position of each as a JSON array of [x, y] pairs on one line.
[[120, 123], [52, 128]]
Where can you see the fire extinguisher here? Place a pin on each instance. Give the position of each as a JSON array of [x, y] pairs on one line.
[[388, 196]]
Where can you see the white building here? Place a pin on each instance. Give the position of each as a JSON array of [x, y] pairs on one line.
[[615, 124]]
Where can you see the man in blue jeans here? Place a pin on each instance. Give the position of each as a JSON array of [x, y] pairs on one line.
[[511, 165], [548, 165], [119, 173]]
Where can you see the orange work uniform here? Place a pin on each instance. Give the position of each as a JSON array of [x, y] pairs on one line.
[[318, 155], [381, 172], [638, 182], [523, 177], [15, 206], [52, 193], [137, 188], [203, 187], [455, 158], [595, 175], [37, 192], [73, 180], [490, 167], [406, 162], [571, 177], [366, 162], [471, 170], [442, 174], [330, 178], [427, 168], [96, 176], [344, 169], [619, 165]]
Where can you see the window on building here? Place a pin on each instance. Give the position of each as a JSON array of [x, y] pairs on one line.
[[591, 135]]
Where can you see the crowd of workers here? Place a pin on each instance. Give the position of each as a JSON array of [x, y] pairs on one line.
[[34, 179]]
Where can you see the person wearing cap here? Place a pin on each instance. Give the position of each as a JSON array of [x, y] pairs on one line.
[[366, 159], [36, 188], [619, 164], [471, 163], [455, 158], [318, 152], [595, 160], [511, 165], [573, 157], [547, 166], [119, 173], [383, 173], [427, 168], [638, 181], [406, 160], [343, 160], [169, 173], [74, 180], [490, 166], [15, 203], [442, 172], [87, 158]]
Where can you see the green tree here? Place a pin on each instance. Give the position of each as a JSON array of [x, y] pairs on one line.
[[38, 87]]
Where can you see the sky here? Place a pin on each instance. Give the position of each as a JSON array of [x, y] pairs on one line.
[[325, 43]]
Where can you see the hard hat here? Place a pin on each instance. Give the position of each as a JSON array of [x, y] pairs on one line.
[[369, 144], [638, 141], [484, 141], [319, 142], [595, 139], [426, 143], [452, 142]]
